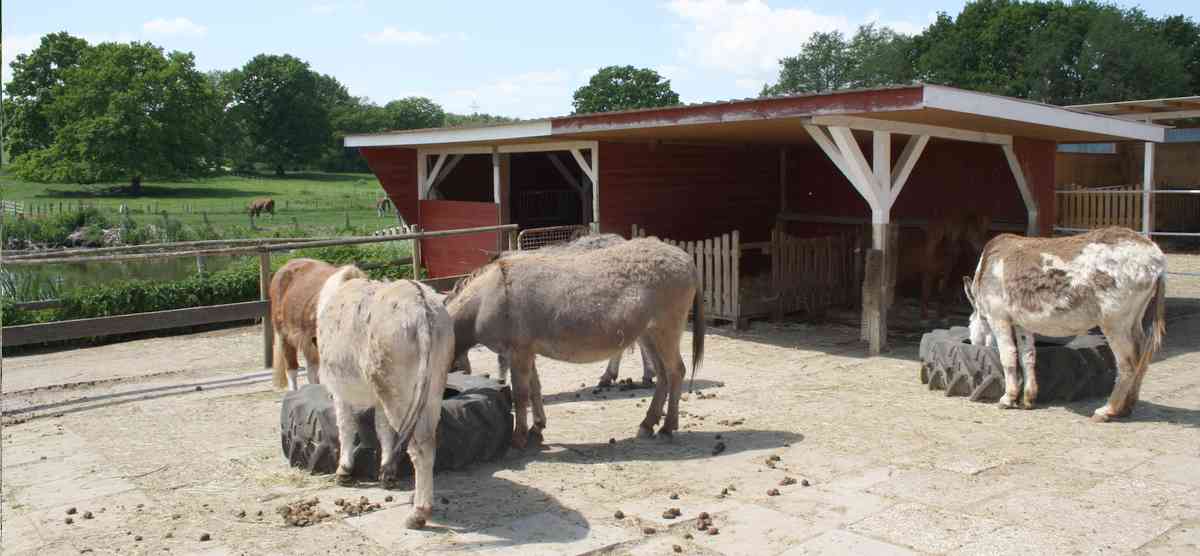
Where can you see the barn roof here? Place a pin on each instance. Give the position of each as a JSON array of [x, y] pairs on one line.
[[779, 119], [1149, 110]]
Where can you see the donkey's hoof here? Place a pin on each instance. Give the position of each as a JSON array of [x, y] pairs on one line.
[[534, 439], [418, 517], [1027, 404], [665, 436], [343, 478], [1101, 417], [645, 432], [605, 382], [389, 480], [1005, 403]]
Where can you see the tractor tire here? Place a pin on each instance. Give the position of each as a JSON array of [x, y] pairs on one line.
[[476, 426], [1068, 369]]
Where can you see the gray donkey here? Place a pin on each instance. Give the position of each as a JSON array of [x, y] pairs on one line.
[[580, 308]]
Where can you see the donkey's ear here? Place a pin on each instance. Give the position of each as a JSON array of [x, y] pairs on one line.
[[967, 287]]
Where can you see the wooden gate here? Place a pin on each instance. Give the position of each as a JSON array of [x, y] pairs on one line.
[[718, 261], [1099, 207], [812, 274]]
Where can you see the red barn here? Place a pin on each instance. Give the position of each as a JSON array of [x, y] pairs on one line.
[[893, 155]]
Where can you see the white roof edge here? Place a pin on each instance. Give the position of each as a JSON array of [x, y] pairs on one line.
[[982, 104], [503, 132]]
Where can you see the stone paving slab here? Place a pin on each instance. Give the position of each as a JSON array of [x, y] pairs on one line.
[[1106, 525], [1183, 540], [751, 529], [1026, 541], [543, 533], [841, 543], [925, 528], [1176, 468]]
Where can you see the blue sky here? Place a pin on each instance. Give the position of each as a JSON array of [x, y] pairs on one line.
[[520, 58]]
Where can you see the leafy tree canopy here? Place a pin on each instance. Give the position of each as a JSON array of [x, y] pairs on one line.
[[284, 107], [624, 88]]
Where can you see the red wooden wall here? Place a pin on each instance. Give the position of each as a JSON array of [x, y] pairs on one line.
[[1037, 158], [448, 256], [397, 172]]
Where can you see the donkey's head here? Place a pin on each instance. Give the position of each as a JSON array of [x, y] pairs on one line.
[[980, 331]]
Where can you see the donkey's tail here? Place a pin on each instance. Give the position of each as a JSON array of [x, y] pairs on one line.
[[279, 374], [697, 334], [1154, 324], [426, 336]]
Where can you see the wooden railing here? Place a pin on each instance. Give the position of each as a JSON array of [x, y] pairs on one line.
[[194, 316], [719, 261], [1099, 207], [812, 274]]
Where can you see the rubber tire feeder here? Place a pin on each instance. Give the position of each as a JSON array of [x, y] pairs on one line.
[[476, 426], [1068, 369]]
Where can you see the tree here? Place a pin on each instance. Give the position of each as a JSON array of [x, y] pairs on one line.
[[414, 113], [36, 79], [823, 64], [624, 88], [476, 119], [879, 57], [279, 100], [126, 111]]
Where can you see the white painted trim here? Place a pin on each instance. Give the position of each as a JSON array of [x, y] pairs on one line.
[[518, 130], [908, 128], [1147, 190], [549, 146], [881, 163], [422, 173], [857, 163], [433, 174], [905, 164], [461, 149], [993, 106], [596, 187], [1018, 173], [495, 176]]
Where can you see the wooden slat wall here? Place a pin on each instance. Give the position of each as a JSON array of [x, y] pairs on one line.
[[397, 173], [811, 274], [457, 254], [1119, 206], [717, 263]]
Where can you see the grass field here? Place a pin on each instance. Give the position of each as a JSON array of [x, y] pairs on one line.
[[318, 203]]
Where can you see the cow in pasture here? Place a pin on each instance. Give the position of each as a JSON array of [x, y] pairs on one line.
[[259, 206], [387, 346], [580, 308], [383, 206], [1111, 277], [293, 294]]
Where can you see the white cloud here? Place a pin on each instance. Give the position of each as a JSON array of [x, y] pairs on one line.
[[14, 45], [753, 85], [179, 26], [745, 40], [531, 94], [324, 8], [392, 35]]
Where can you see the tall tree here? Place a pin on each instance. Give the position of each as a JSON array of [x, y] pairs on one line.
[[823, 64], [475, 118], [280, 101], [126, 111], [624, 88], [414, 113], [37, 79]]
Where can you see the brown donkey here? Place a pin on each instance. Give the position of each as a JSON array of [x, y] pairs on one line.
[[294, 291]]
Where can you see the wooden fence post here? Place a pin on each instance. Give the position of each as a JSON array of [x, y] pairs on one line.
[[875, 301], [416, 254], [264, 285]]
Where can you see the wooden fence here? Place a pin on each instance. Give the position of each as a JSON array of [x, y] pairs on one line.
[[1099, 207], [812, 274], [193, 316], [719, 261]]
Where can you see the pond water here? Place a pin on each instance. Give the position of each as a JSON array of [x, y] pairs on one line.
[[36, 283]]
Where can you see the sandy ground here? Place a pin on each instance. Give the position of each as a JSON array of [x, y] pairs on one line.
[[892, 467]]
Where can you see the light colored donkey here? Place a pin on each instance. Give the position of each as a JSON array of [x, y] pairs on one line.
[[1112, 278], [293, 293], [581, 308], [386, 345]]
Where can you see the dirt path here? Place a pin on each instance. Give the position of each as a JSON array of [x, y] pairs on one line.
[[892, 467]]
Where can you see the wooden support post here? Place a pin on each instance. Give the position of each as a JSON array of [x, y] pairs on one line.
[[1147, 188], [200, 264], [874, 308], [416, 254], [264, 286]]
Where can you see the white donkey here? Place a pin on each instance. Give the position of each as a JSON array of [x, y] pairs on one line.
[[1112, 278], [386, 345]]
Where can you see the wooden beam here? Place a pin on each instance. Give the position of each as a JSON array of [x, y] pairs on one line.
[[422, 174], [857, 163], [905, 164], [843, 165], [783, 179], [1147, 188], [433, 174], [441, 177], [546, 146], [566, 174], [264, 288], [128, 324], [1031, 208], [583, 163], [907, 128], [1154, 116], [596, 188], [881, 163]]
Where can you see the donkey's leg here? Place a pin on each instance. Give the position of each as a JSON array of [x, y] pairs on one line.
[[503, 365], [312, 363], [666, 342], [1123, 348], [522, 368], [654, 409], [613, 369], [389, 469], [1006, 344], [649, 360], [345, 423], [1026, 344], [535, 398], [290, 363], [422, 448]]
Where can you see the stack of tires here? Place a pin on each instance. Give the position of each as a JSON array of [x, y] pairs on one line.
[[476, 426], [1068, 369]]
